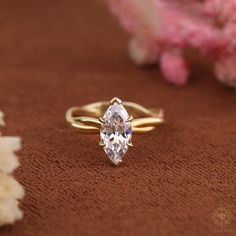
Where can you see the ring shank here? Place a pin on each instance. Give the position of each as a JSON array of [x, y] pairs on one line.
[[86, 118]]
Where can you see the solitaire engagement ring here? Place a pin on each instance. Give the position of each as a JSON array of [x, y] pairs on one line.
[[116, 121]]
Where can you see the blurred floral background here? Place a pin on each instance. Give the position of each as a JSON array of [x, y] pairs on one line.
[[162, 31]]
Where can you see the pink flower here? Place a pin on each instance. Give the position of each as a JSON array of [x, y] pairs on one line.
[[156, 26], [222, 10], [174, 67], [225, 71]]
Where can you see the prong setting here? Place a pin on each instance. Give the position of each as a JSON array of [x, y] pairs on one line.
[[130, 118], [114, 100], [101, 144], [117, 163], [130, 144], [101, 120]]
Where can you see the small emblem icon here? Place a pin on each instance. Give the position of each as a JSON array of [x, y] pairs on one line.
[[221, 217]]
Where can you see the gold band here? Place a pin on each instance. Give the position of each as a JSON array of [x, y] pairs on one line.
[[87, 119]]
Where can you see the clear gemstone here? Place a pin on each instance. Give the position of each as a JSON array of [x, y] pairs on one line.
[[116, 132]]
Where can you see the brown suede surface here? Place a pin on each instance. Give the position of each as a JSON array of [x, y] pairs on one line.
[[174, 181]]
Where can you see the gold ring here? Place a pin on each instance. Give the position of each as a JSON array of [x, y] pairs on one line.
[[116, 121]]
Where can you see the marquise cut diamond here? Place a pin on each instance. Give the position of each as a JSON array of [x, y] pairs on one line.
[[116, 132]]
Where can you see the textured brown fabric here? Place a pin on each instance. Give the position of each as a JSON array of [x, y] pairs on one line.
[[56, 54]]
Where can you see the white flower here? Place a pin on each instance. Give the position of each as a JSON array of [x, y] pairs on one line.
[[8, 160], [1, 119], [9, 211], [10, 188], [143, 52]]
